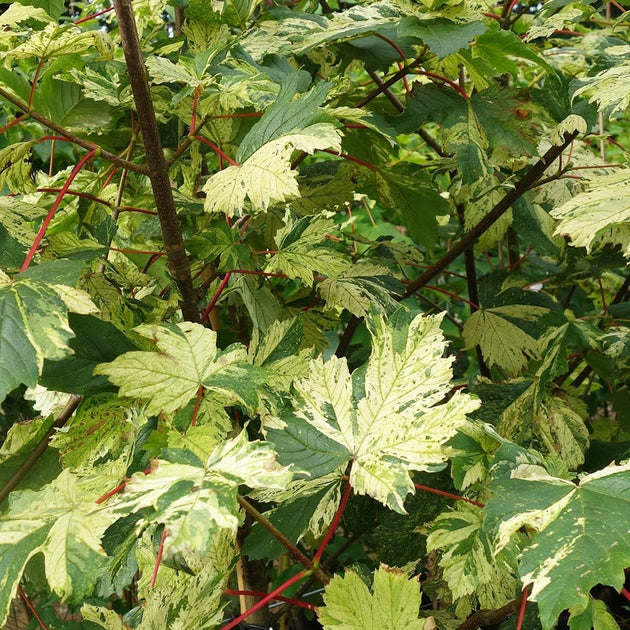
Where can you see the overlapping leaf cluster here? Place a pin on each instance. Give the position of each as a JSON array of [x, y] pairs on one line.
[[322, 156]]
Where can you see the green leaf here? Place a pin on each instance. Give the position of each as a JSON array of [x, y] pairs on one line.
[[580, 536], [382, 417], [196, 499], [53, 8], [33, 327], [67, 105], [60, 522], [594, 617], [495, 47], [442, 36], [393, 602], [467, 560], [304, 248], [95, 341], [187, 359], [600, 215], [406, 188], [501, 341]]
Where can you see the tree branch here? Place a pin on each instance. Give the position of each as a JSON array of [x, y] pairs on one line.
[[526, 182], [157, 165], [483, 618], [303, 559], [86, 144], [42, 445]]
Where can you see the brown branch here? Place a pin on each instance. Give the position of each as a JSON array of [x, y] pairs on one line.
[[157, 165], [483, 618], [302, 558], [41, 446], [387, 84], [526, 182], [86, 144]]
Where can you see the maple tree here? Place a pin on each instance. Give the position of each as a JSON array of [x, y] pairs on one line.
[[315, 312]]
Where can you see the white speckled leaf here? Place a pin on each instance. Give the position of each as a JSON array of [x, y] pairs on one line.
[[582, 532]]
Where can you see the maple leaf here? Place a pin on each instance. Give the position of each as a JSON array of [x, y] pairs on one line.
[[187, 358], [581, 531], [382, 418], [501, 341], [266, 176], [195, 499], [600, 215], [467, 561], [393, 604], [304, 248], [61, 522], [34, 326]]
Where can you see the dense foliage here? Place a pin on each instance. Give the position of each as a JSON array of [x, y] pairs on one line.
[[316, 303]]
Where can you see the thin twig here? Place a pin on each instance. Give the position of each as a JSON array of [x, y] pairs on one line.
[[53, 126], [37, 452], [470, 237], [303, 559]]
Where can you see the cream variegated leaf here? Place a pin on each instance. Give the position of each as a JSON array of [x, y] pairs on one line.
[[467, 561], [384, 418], [600, 215], [266, 176], [196, 499], [579, 536], [186, 359], [392, 604], [61, 522]]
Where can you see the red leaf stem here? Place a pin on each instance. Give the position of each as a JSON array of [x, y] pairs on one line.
[[55, 206], [111, 493], [394, 45], [215, 297], [15, 121], [110, 177], [193, 422], [455, 296], [446, 80], [93, 16], [448, 495], [217, 150], [333, 525], [258, 605], [158, 558], [521, 612], [30, 606], [351, 158], [288, 600], [625, 593], [31, 93], [151, 261]]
